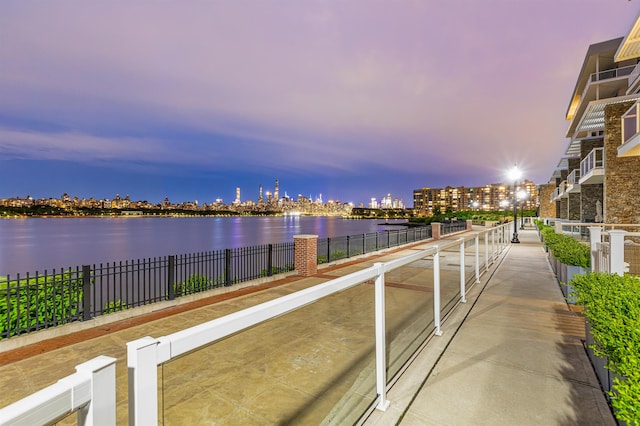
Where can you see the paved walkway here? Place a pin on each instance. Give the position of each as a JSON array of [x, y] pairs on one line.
[[514, 356]]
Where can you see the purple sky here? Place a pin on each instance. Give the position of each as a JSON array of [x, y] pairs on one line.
[[351, 99]]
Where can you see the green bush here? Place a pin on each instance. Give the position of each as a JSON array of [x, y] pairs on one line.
[[612, 307], [34, 303], [565, 248], [194, 284]]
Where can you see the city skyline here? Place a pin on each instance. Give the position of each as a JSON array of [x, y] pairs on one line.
[[190, 101]]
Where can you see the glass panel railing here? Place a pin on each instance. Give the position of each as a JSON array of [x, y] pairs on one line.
[[593, 160], [612, 73], [573, 177], [306, 367], [630, 123]]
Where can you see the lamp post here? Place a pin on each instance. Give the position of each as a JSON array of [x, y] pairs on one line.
[[522, 195], [475, 205], [514, 175]]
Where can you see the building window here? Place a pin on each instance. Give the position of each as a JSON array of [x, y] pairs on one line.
[[630, 123]]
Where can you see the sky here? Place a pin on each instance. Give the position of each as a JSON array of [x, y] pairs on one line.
[[348, 99]]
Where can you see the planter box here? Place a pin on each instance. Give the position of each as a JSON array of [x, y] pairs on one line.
[[569, 272]]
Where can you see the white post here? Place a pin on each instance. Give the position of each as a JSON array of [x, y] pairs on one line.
[[143, 381], [101, 410], [477, 259], [558, 227], [486, 251], [381, 345], [463, 291], [616, 252], [595, 236], [436, 291], [493, 245]]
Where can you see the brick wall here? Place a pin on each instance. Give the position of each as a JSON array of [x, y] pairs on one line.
[[622, 175]]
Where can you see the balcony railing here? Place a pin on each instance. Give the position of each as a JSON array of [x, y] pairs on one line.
[[592, 167], [612, 73], [573, 182]]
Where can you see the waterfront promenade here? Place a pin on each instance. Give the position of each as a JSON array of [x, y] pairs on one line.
[[512, 354]]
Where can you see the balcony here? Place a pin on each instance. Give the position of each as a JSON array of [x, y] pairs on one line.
[[592, 168], [573, 182], [630, 133]]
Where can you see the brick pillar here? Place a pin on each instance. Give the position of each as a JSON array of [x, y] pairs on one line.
[[435, 230], [306, 254], [469, 224]]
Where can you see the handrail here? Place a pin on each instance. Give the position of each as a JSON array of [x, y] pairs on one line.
[[91, 391], [146, 354]]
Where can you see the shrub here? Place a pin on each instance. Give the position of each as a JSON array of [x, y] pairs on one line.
[[35, 303], [612, 306], [194, 284], [565, 248]]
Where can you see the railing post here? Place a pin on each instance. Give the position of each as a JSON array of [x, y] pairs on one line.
[[595, 237], [364, 243], [270, 260], [381, 345], [328, 249], [616, 252], [486, 251], [477, 240], [388, 239], [227, 267], [558, 227], [377, 241], [86, 293], [493, 245], [102, 408], [143, 381], [171, 276], [463, 291], [436, 291], [348, 247]]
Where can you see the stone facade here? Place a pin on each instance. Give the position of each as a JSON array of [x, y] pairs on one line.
[[622, 174], [590, 194], [547, 208]]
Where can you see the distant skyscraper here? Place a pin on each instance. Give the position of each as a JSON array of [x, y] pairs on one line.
[[237, 194], [277, 191], [260, 199]]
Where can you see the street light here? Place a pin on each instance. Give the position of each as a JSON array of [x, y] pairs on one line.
[[522, 195], [475, 205], [514, 175]]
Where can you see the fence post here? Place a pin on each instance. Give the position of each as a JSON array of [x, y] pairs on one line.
[[348, 247], [436, 291], [377, 233], [435, 230], [616, 252], [143, 381], [171, 291], [364, 243], [477, 258], [270, 261], [306, 254], [381, 345], [227, 267], [86, 292], [463, 291], [595, 237], [328, 249], [102, 408], [486, 251], [558, 227]]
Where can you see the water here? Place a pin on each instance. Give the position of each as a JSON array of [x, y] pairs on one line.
[[36, 244]]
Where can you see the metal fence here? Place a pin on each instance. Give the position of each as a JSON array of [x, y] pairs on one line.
[[336, 248], [33, 302]]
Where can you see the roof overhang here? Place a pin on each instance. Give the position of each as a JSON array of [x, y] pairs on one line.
[[630, 46]]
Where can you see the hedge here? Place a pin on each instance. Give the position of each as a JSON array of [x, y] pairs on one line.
[[612, 307], [565, 248]]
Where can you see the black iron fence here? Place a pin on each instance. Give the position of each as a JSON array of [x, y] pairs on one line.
[[330, 249], [451, 227], [37, 301], [33, 302]]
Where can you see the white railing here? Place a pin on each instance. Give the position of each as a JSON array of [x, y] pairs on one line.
[[593, 160], [574, 177], [612, 73], [145, 355], [91, 392]]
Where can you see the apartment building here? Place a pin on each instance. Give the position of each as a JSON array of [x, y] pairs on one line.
[[598, 179], [491, 197]]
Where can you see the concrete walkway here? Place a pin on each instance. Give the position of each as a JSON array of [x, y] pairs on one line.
[[514, 356]]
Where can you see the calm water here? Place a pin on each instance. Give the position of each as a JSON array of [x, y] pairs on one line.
[[36, 244]]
